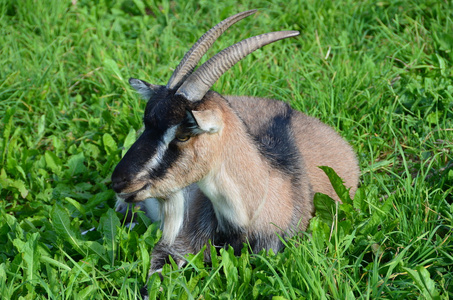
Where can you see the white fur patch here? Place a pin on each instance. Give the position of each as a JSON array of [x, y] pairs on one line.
[[162, 148], [227, 201], [172, 215]]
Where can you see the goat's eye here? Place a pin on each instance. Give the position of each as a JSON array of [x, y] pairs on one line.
[[182, 138]]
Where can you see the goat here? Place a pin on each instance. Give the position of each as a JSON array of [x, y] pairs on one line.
[[226, 169]]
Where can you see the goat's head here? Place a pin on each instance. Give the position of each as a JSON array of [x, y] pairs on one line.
[[183, 120]]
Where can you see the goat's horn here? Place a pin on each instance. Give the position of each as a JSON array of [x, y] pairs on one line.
[[197, 84], [193, 56]]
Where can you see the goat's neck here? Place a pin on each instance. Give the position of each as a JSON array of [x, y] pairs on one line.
[[238, 184]]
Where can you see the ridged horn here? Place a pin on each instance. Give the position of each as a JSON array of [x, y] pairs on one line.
[[193, 56], [198, 83]]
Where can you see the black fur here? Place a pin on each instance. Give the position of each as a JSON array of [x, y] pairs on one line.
[[277, 144], [137, 156]]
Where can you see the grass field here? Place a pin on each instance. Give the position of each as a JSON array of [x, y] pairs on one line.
[[380, 73]]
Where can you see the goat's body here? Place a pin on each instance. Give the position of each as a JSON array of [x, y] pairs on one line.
[[261, 190], [230, 170]]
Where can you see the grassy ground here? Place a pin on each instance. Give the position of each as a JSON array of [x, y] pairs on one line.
[[379, 72]]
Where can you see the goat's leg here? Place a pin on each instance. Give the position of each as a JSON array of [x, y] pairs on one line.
[[162, 251], [160, 256]]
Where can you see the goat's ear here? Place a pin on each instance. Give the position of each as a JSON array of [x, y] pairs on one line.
[[145, 89], [208, 120]]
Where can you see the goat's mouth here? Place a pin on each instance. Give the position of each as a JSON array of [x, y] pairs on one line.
[[135, 196]]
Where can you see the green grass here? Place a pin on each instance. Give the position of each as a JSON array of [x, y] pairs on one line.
[[380, 73]]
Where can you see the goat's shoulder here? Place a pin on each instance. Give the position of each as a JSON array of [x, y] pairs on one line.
[[256, 112]]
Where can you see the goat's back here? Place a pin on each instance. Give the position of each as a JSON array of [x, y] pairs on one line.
[[319, 144]]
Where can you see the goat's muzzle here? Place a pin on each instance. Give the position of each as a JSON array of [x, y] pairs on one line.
[[118, 184]]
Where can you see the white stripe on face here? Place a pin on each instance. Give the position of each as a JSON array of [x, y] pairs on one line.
[[162, 147]]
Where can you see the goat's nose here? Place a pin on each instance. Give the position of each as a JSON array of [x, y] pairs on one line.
[[118, 184]]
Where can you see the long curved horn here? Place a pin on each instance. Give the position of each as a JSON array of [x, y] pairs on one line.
[[193, 56], [198, 83]]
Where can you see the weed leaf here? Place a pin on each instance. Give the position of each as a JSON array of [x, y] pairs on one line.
[[62, 225], [109, 143], [423, 282], [324, 207], [53, 162], [113, 66], [130, 139], [108, 227], [97, 249], [338, 184], [30, 254], [76, 164]]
